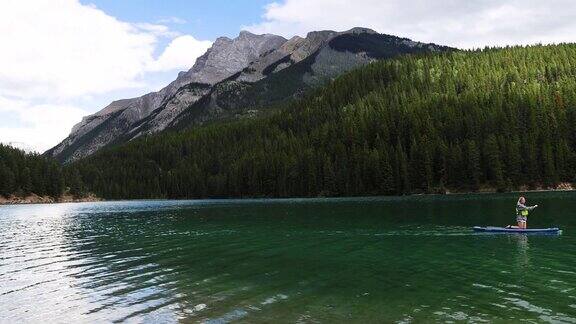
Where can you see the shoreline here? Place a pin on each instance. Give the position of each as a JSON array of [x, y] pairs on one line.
[[35, 199]]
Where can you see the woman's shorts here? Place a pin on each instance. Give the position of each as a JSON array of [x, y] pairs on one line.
[[522, 219]]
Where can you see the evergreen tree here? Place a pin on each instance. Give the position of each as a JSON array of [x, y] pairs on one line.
[[75, 183], [473, 164], [6, 181], [499, 118], [403, 177], [493, 158], [548, 162], [22, 173], [514, 160], [386, 176], [26, 181]]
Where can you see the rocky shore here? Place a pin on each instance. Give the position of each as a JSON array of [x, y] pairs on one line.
[[35, 199]]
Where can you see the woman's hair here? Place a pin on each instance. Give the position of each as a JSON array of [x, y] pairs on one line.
[[521, 198]]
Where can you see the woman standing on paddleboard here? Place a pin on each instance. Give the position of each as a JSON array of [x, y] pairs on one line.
[[522, 212]]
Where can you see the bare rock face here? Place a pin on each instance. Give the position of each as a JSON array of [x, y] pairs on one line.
[[235, 78], [227, 57], [116, 121], [295, 67], [291, 52]]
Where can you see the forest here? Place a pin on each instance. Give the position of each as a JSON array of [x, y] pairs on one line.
[[497, 118], [24, 173]]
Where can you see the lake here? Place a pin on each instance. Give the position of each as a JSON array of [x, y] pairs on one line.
[[397, 259]]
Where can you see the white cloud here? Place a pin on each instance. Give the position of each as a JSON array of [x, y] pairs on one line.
[[56, 53], [38, 126], [62, 49], [157, 30], [172, 20], [179, 53], [460, 23]]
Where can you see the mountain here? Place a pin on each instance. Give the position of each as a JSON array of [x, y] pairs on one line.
[[111, 124], [296, 67], [235, 78], [495, 119]]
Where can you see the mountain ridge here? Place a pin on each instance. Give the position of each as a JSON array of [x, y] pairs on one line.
[[232, 76], [449, 122]]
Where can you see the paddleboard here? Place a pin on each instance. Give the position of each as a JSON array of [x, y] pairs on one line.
[[493, 229]]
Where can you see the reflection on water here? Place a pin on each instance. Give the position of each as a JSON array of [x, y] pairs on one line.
[[522, 257], [360, 260]]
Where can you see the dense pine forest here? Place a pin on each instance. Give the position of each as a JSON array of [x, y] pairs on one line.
[[495, 118], [23, 173]]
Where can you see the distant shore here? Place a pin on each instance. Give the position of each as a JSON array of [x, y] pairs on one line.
[[35, 199]]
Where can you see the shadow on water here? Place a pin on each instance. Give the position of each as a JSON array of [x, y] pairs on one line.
[[361, 259]]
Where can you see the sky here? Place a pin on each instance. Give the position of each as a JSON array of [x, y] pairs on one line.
[[61, 60]]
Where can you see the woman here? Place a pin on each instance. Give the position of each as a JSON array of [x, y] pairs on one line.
[[522, 213]]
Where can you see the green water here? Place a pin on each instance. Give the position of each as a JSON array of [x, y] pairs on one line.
[[296, 261]]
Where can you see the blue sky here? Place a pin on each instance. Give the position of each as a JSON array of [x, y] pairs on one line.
[[67, 59], [205, 19]]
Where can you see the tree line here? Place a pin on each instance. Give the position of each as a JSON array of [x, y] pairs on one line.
[[24, 173], [467, 120]]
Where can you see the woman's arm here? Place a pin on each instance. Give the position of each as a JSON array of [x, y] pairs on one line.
[[524, 207]]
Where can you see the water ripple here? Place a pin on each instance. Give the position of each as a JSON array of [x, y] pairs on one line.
[[267, 261]]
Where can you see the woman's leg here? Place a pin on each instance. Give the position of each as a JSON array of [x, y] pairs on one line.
[[522, 224]]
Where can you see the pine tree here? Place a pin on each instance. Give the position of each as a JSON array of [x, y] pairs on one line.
[[6, 181], [550, 177], [514, 161], [329, 180], [473, 164], [76, 184], [493, 159], [403, 177], [386, 175], [499, 117], [456, 168], [26, 181]]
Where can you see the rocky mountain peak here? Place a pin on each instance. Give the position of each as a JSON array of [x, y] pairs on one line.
[[234, 74], [244, 34], [221, 41], [319, 36], [228, 56], [360, 30]]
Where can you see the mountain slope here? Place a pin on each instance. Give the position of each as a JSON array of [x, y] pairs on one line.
[[235, 78], [497, 118], [328, 56], [111, 124]]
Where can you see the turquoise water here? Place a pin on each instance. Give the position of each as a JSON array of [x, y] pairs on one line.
[[365, 260]]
